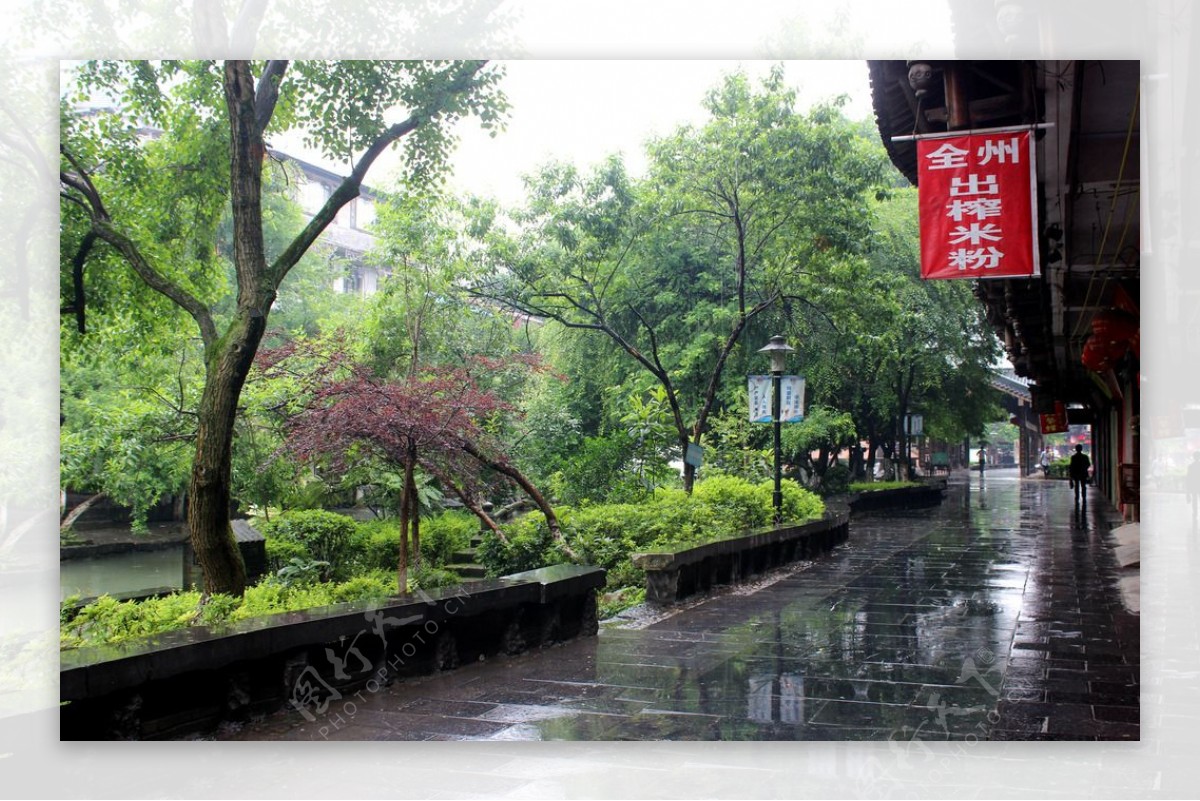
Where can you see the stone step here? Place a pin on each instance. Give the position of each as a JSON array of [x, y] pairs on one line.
[[465, 556], [468, 570], [476, 541]]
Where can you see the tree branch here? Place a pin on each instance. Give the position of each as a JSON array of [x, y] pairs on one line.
[[521, 480], [78, 306], [103, 228], [267, 93], [349, 188]]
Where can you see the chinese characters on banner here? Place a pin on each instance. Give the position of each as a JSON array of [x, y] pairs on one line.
[[791, 398], [1055, 423], [978, 207]]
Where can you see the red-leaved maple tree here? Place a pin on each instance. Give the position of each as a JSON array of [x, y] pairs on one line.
[[432, 419]]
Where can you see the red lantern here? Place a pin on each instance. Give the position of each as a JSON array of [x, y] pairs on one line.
[[1096, 356], [1113, 326]]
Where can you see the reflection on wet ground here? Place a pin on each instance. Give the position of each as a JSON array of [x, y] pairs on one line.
[[995, 616]]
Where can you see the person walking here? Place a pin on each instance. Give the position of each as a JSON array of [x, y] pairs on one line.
[[1044, 462], [1078, 473], [1193, 482]]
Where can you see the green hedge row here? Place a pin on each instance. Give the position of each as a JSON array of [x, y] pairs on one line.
[[606, 534]]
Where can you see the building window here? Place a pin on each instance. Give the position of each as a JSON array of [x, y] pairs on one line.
[[352, 284], [366, 213]]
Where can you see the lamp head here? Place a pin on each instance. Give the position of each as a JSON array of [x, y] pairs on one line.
[[778, 349]]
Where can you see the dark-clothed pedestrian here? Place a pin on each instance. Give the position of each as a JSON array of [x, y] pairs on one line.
[[1078, 473]]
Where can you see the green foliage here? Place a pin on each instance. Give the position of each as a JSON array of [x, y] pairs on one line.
[[443, 534], [619, 600], [107, 621], [374, 545], [428, 577], [823, 429], [647, 423], [530, 545], [669, 274], [836, 480], [735, 499], [323, 536], [606, 534], [734, 446], [875, 486], [282, 552], [1060, 468], [364, 588], [300, 571], [595, 472], [799, 504], [889, 343]]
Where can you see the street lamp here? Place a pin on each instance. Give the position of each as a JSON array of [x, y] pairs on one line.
[[778, 349]]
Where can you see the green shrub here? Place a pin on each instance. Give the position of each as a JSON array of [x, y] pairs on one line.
[[607, 534], [836, 480], [364, 588], [107, 621], [799, 504], [218, 609], [443, 534], [301, 571], [530, 546], [374, 545], [619, 600], [875, 486], [281, 553], [734, 499], [323, 535], [427, 577]]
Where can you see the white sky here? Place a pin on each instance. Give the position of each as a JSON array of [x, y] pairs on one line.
[[583, 111]]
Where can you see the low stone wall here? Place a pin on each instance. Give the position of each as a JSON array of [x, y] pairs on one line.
[[931, 493], [312, 662], [673, 575]]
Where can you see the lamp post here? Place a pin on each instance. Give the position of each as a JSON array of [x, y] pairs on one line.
[[778, 349]]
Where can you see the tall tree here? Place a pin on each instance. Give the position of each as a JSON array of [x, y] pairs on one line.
[[223, 112], [736, 216], [891, 344]]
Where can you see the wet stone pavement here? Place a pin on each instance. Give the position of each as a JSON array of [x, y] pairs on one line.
[[994, 616]]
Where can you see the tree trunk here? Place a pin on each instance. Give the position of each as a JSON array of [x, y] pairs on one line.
[[405, 507], [209, 488], [78, 511], [414, 506]]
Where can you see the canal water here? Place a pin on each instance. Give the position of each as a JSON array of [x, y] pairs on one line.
[[124, 573]]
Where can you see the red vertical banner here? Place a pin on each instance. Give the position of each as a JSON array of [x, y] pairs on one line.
[[1054, 423], [978, 205]]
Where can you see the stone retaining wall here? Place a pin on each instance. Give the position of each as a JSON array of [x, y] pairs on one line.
[[673, 575], [312, 662], [928, 494]]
